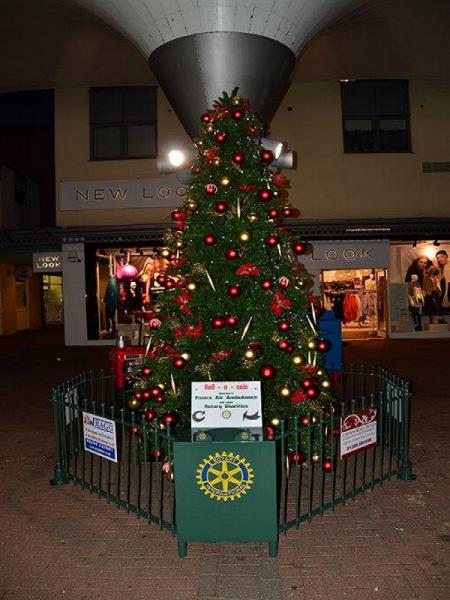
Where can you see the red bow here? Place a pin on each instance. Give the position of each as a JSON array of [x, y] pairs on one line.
[[194, 331], [182, 300], [279, 303], [169, 350], [247, 188], [248, 269], [177, 264], [280, 181], [309, 369], [221, 355], [298, 396], [210, 154]]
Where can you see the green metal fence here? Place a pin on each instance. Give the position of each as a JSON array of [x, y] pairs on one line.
[[141, 481]]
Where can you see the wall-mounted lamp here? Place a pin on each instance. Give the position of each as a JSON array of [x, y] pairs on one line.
[[436, 243]]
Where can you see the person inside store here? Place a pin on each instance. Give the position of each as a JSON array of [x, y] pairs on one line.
[[432, 293], [443, 264], [416, 300], [418, 267]]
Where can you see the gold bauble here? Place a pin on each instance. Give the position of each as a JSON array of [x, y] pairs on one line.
[[311, 345], [161, 385], [180, 244], [326, 383], [252, 217], [186, 355], [285, 391], [314, 419], [210, 128], [250, 354], [191, 205], [275, 421], [319, 373], [164, 252], [297, 359], [192, 286], [225, 181], [134, 403], [315, 457], [245, 236], [216, 162], [236, 100]]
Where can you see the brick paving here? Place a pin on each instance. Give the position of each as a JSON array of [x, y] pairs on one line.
[[391, 543]]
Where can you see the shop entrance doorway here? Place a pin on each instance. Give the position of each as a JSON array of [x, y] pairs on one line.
[[358, 299]]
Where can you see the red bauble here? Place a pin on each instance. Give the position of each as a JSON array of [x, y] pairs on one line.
[[220, 137], [137, 395], [266, 284], [221, 207], [146, 371], [179, 362], [266, 155], [296, 457], [232, 253], [327, 465], [283, 281], [238, 158], [323, 345], [170, 418], [156, 454], [267, 371], [209, 239], [196, 169], [161, 279], [234, 290], [312, 392], [273, 213], [287, 211], [159, 399], [150, 414], [265, 194], [211, 189], [232, 320], [283, 345], [155, 323], [307, 382], [304, 420], [145, 395], [218, 322], [155, 391], [169, 284], [299, 247], [205, 118], [284, 325], [269, 433], [272, 240], [177, 215], [134, 429], [237, 115]]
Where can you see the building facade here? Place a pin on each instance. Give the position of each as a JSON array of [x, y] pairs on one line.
[[367, 111]]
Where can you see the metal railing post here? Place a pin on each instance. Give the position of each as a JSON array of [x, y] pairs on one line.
[[60, 475], [406, 471]]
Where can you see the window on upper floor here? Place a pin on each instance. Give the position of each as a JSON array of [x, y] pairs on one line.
[[375, 116], [123, 123]]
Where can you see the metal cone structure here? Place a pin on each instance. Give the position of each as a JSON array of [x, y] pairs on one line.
[[197, 48]]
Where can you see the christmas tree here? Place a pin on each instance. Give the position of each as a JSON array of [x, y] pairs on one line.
[[235, 305]]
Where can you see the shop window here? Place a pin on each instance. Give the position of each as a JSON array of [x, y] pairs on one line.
[[375, 116], [123, 123], [52, 286]]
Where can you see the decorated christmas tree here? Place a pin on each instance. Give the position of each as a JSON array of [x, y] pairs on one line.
[[235, 305]]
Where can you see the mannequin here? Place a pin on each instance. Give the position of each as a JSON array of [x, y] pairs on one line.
[[111, 300], [370, 283], [416, 301]]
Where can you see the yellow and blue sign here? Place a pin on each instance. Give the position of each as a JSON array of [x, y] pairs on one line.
[[224, 476]]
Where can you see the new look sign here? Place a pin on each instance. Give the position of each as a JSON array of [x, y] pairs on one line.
[[121, 193], [47, 262], [343, 254]]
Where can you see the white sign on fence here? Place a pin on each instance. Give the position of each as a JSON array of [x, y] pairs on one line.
[[226, 404], [358, 431], [100, 436]]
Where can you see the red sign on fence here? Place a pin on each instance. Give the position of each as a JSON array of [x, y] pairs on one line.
[[358, 431]]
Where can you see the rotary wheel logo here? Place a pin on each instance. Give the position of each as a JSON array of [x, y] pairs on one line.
[[224, 476]]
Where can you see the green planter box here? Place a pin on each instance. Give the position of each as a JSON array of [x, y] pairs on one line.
[[226, 492]]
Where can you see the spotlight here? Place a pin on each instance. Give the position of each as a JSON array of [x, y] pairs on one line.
[[286, 160], [274, 146], [176, 159], [436, 243]]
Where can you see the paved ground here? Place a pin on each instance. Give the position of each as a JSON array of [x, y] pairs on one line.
[[393, 543]]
